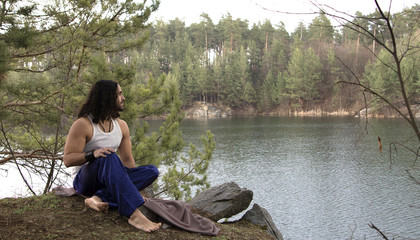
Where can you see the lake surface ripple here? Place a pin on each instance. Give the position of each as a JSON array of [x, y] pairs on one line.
[[319, 178]]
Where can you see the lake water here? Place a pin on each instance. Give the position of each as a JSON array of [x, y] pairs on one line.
[[319, 178]]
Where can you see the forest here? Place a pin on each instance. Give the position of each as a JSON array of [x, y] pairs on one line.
[[51, 52], [264, 67]]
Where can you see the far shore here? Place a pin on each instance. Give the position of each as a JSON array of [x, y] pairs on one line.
[[202, 110]]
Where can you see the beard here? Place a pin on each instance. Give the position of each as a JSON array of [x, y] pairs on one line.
[[120, 107]]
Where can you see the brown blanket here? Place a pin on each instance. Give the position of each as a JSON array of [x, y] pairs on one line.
[[177, 214], [174, 212]]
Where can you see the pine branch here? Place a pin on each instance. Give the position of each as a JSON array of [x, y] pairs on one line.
[[36, 154], [39, 102]]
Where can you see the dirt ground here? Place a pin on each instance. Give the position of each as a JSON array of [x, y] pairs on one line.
[[55, 217]]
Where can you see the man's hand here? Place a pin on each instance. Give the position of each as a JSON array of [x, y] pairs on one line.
[[103, 152]]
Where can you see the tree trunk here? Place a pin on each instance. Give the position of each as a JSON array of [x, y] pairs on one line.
[[266, 41], [231, 41], [357, 52], [374, 41]]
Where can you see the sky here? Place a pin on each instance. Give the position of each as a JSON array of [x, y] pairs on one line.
[[189, 11]]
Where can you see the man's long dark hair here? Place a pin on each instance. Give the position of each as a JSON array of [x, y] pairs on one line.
[[101, 102]]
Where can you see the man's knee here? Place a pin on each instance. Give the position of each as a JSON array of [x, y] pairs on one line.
[[113, 156], [110, 163], [110, 158], [154, 171]]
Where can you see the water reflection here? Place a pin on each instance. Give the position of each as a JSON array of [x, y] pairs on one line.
[[320, 178]]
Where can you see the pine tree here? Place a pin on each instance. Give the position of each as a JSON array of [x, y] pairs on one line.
[[303, 77], [44, 83]]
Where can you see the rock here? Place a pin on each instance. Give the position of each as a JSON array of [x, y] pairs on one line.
[[260, 216], [364, 112], [222, 201], [149, 214], [203, 110], [154, 217]]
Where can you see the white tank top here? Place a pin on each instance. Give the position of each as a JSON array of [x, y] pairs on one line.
[[101, 139]]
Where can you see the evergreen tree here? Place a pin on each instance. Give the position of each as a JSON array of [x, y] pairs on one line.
[[303, 77], [44, 83], [380, 78], [247, 90], [188, 86], [266, 96], [300, 34], [218, 73], [321, 29], [48, 72]]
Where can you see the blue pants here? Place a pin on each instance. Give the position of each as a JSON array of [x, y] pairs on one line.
[[111, 181]]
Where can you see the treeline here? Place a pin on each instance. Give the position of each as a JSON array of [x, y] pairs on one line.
[[263, 66]]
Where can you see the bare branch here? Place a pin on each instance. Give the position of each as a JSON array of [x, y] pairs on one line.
[[32, 155], [33, 71], [412, 178], [282, 12], [394, 144], [367, 89], [379, 231], [355, 26]]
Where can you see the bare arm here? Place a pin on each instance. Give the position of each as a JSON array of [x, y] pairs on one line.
[[124, 149], [80, 133]]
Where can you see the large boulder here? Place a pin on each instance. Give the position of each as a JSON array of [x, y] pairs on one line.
[[260, 216], [222, 201], [203, 110]]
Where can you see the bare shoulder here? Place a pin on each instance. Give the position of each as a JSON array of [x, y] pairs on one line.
[[123, 126], [80, 133], [82, 123], [82, 127]]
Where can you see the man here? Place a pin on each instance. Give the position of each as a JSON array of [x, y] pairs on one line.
[[92, 141]]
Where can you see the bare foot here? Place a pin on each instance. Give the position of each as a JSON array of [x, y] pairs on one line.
[[139, 221], [96, 203]]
